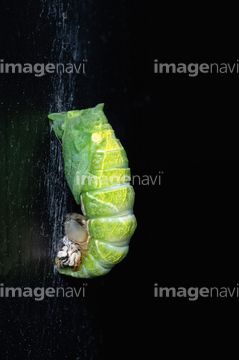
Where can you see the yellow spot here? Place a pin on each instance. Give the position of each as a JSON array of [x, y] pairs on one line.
[[96, 137], [73, 113]]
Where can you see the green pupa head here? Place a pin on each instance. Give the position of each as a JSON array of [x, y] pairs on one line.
[[58, 120], [87, 119], [61, 119]]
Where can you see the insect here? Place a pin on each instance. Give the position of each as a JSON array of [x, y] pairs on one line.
[[97, 172]]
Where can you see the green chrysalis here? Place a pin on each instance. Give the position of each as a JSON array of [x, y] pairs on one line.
[[97, 172]]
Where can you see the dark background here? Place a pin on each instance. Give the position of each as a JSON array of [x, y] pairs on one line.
[[186, 127]]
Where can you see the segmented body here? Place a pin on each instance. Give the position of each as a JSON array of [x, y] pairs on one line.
[[100, 182]]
